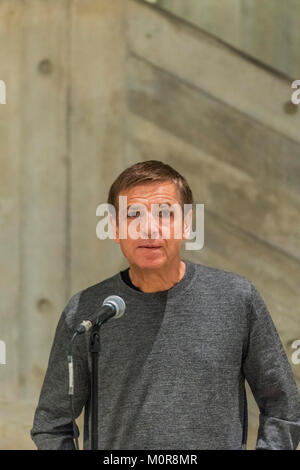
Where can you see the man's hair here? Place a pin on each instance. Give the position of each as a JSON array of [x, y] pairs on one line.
[[150, 171]]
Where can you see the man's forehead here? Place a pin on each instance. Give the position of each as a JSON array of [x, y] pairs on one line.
[[160, 193]]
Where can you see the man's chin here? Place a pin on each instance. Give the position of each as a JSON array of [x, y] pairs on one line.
[[150, 262]]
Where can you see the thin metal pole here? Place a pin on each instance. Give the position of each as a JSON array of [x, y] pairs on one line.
[[94, 349]]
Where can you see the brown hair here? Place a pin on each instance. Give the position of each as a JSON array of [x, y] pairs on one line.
[[150, 171]]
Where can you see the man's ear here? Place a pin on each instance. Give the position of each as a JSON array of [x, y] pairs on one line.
[[115, 228], [187, 224]]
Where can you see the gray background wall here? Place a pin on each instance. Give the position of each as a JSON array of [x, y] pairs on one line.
[[92, 87], [268, 30]]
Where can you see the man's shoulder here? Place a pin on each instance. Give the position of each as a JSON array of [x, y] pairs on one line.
[[102, 286], [221, 287], [223, 279], [87, 301]]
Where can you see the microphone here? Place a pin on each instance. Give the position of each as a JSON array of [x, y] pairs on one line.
[[113, 307]]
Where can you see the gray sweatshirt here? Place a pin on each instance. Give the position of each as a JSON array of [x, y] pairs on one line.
[[172, 369]]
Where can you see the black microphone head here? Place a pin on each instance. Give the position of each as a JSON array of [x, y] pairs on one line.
[[117, 302]]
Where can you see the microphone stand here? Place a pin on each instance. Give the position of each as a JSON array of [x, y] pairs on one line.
[[94, 350]]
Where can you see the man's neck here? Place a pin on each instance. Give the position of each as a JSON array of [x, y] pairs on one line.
[[157, 280]]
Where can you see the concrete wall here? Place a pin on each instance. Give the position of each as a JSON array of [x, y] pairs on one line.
[[93, 87], [268, 30]]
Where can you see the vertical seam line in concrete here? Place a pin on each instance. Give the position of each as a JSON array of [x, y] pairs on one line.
[[125, 26], [21, 164], [69, 152]]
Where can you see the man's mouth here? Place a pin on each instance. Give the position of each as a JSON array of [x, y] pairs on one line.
[[150, 247]]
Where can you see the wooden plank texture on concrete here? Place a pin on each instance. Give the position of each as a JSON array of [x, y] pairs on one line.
[[10, 70], [42, 52], [267, 161], [266, 30], [97, 134], [205, 62]]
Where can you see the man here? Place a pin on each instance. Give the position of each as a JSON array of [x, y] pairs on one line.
[[172, 369]]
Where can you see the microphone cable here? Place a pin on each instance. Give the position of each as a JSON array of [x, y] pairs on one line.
[[71, 392], [83, 328]]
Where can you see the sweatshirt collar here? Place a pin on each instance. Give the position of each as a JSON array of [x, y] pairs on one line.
[[174, 291]]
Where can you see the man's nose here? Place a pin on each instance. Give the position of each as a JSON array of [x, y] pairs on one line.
[[150, 225]]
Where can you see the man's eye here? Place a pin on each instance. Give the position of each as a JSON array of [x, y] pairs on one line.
[[162, 213], [165, 213], [134, 214]]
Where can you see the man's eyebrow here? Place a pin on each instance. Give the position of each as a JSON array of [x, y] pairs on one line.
[[164, 203], [137, 204], [134, 205]]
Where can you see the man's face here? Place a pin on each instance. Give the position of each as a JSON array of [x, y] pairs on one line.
[[164, 225]]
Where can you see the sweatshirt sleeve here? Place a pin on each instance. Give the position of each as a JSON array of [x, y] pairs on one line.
[[52, 425], [270, 377]]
